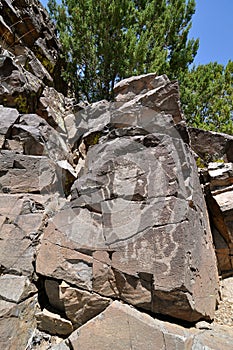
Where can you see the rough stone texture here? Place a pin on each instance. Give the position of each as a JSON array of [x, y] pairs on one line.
[[37, 173], [37, 137], [8, 117], [17, 322], [30, 177], [122, 327], [211, 146], [224, 313], [18, 88], [214, 156], [27, 33], [155, 92], [15, 289], [102, 202], [40, 340], [53, 323], [137, 225], [219, 193], [17, 311], [22, 221], [52, 107], [80, 305]]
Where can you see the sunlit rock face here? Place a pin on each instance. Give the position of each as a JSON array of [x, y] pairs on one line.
[[136, 225], [103, 221]]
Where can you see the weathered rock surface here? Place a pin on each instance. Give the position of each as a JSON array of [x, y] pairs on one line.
[[53, 323], [27, 33], [17, 322], [136, 228], [211, 146], [218, 182], [224, 313], [101, 203], [155, 92], [8, 116], [214, 157], [29, 56], [122, 327], [18, 88], [15, 289]]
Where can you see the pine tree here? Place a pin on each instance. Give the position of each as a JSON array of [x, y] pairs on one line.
[[105, 41], [207, 96]]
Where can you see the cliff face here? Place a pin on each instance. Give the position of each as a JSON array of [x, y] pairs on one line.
[[105, 233]]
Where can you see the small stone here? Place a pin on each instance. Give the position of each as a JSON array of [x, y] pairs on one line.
[[53, 323]]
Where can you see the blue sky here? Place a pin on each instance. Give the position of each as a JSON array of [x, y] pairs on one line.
[[213, 25]]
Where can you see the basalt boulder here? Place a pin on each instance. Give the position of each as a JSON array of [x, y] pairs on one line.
[[136, 228]]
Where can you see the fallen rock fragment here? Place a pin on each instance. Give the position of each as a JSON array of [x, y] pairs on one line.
[[53, 323], [211, 146], [80, 306]]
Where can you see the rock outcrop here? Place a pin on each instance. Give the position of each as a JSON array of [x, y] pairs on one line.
[[214, 157], [29, 56], [136, 330], [104, 225], [137, 223]]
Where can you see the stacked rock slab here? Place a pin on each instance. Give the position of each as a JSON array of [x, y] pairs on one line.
[[136, 228], [219, 196], [35, 161], [29, 58], [214, 154], [31, 190]]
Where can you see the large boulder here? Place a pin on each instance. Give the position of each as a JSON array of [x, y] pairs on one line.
[[121, 327], [136, 228]]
